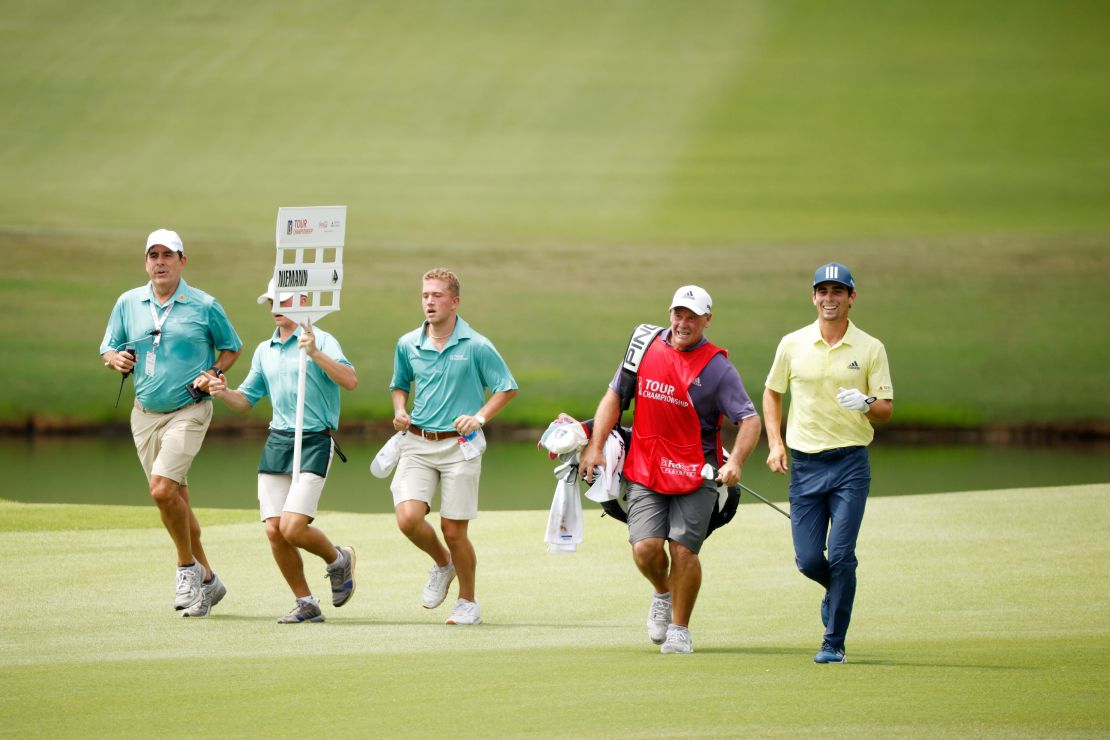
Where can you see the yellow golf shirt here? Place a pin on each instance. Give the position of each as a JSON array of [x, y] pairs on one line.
[[814, 372]]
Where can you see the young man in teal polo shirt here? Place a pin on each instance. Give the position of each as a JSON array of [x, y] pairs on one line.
[[288, 509], [173, 337], [452, 367], [839, 382]]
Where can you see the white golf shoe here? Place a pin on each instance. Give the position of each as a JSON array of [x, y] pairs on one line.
[[678, 640], [659, 616], [465, 612], [435, 590], [190, 586]]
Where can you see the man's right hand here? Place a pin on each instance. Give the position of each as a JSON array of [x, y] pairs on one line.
[[401, 421], [217, 384], [776, 460], [592, 457], [123, 362]]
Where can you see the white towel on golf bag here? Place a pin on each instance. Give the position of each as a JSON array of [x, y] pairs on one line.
[[564, 523], [562, 437], [607, 481]]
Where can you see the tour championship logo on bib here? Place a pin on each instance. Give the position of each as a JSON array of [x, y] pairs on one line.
[[656, 391]]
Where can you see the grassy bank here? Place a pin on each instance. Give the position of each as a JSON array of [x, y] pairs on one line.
[[977, 333], [961, 628]]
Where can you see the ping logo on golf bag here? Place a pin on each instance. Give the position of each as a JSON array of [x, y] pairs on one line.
[[638, 344], [642, 337]]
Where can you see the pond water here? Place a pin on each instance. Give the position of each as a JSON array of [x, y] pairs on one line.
[[515, 475]]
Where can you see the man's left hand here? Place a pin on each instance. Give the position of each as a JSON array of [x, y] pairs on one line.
[[464, 425], [729, 474], [853, 400], [307, 340]]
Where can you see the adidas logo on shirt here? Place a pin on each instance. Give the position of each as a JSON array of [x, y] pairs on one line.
[[697, 381], [854, 365]]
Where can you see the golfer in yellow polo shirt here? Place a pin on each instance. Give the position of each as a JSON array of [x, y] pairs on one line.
[[840, 384]]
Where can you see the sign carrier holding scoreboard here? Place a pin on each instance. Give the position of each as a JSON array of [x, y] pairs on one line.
[[309, 261]]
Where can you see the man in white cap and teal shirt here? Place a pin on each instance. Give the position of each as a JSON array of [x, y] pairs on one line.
[[449, 367], [288, 509], [685, 387], [174, 338], [840, 385]]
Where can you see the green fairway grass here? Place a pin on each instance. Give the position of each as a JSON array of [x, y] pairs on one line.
[[575, 163], [978, 614]]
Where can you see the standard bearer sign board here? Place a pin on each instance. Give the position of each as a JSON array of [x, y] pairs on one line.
[[310, 258]]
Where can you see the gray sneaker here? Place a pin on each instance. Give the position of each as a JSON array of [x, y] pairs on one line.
[[659, 617], [304, 611], [435, 590], [343, 577], [678, 640], [211, 594], [190, 584]]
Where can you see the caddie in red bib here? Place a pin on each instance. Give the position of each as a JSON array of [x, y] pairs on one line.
[[666, 450], [685, 386]]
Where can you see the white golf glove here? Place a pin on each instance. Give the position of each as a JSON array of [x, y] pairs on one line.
[[853, 400]]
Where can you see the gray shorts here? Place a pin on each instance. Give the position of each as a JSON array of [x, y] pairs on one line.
[[682, 517]]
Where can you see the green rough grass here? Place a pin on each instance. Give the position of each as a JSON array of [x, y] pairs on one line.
[[977, 614], [576, 163]]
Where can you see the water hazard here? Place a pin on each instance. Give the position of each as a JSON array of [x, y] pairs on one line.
[[515, 475]]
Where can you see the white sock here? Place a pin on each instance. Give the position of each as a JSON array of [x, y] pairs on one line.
[[666, 596], [339, 558], [310, 599]]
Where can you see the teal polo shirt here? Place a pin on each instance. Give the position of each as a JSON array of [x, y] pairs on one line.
[[274, 370], [450, 383], [194, 331]]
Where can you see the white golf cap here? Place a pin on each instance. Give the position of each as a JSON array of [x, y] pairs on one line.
[[166, 238], [386, 460], [281, 297], [693, 298]]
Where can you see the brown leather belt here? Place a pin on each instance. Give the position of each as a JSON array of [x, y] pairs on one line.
[[433, 436]]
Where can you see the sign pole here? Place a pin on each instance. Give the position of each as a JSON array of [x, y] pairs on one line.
[[299, 432]]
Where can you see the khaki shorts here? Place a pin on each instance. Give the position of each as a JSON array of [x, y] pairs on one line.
[[425, 463], [167, 443], [277, 494]]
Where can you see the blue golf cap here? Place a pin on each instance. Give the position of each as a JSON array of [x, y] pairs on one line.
[[834, 272]]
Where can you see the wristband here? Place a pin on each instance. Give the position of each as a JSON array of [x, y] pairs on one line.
[[481, 419]]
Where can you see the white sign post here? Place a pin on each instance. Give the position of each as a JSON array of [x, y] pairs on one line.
[[310, 261]]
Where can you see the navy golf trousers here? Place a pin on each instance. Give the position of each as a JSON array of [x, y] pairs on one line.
[[828, 492]]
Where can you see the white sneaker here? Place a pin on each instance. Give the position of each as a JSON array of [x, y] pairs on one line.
[[190, 586], [678, 640], [435, 590], [466, 612], [211, 594], [659, 616]]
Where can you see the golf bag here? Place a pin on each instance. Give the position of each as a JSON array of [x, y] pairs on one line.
[[728, 499]]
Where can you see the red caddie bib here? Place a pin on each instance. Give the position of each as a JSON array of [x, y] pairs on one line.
[[665, 453]]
